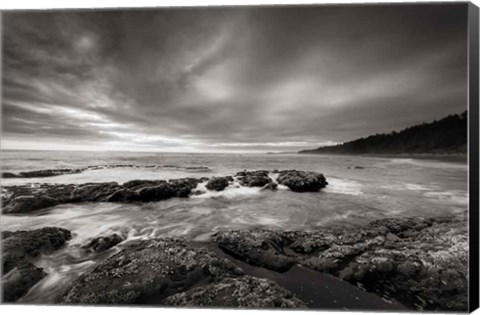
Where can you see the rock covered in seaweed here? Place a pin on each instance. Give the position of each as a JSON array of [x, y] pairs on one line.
[[22, 204], [422, 262], [102, 243], [259, 248], [21, 246], [169, 272], [147, 271], [243, 292], [18, 281]]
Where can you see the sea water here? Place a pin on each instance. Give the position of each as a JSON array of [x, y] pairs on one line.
[[361, 189]]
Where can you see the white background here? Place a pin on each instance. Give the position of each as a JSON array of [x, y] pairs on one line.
[[80, 310]]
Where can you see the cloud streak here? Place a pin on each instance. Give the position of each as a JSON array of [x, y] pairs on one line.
[[228, 79]]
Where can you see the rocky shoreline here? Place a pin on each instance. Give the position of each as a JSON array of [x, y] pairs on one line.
[[28, 198], [415, 263], [19, 250], [420, 262]]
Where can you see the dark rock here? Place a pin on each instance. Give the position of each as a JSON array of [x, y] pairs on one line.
[[146, 272], [169, 272], [242, 292], [92, 192], [259, 248], [252, 173], [6, 234], [359, 167], [122, 195], [218, 183], [301, 181], [29, 203], [19, 280], [198, 168], [254, 178], [42, 173], [32, 197], [422, 262], [156, 193], [21, 246], [49, 173], [271, 186], [8, 175], [137, 184], [183, 187], [190, 183], [27, 198], [398, 225], [102, 243]]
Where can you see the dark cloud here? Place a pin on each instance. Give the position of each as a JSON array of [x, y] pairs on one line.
[[260, 78]]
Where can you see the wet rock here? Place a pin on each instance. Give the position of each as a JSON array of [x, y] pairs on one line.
[[28, 198], [426, 269], [259, 248], [102, 243], [156, 193], [6, 234], [138, 184], [301, 181], [398, 225], [254, 178], [21, 246], [42, 173], [22, 204], [241, 292], [8, 175], [148, 271], [32, 197], [198, 168], [271, 186], [19, 280], [218, 183], [122, 195], [184, 186], [190, 183], [92, 192]]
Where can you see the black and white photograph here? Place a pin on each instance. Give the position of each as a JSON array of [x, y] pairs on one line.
[[259, 157]]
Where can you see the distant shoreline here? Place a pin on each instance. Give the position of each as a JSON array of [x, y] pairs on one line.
[[453, 157]]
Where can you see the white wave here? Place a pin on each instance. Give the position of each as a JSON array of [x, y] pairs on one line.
[[342, 186], [274, 177], [233, 190], [411, 186], [339, 217]]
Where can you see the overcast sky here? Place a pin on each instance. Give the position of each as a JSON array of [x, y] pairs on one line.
[[228, 79]]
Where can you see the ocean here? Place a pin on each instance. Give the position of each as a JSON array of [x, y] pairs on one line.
[[361, 189]]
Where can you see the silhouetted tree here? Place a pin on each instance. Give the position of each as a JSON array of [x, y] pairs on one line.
[[448, 135]]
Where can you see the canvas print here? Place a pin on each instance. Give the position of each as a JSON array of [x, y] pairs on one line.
[[305, 157]]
